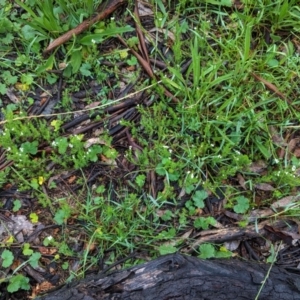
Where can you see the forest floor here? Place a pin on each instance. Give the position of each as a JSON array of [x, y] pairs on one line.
[[133, 129]]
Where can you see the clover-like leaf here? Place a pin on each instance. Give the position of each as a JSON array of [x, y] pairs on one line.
[[29, 147], [18, 282], [7, 258], [242, 205], [166, 249], [207, 251], [199, 198], [34, 259]]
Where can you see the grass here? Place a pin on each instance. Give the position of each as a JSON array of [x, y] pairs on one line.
[[235, 72]]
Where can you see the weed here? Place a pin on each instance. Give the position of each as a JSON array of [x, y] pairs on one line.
[[19, 281], [209, 251]]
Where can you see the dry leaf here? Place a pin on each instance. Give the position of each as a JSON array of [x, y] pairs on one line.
[[260, 213], [270, 86], [264, 187], [258, 167], [108, 161], [95, 141], [232, 245], [276, 137], [293, 235], [11, 95], [241, 181], [72, 179], [92, 105], [180, 239], [297, 152], [41, 288], [143, 10], [233, 215], [285, 201], [47, 250]]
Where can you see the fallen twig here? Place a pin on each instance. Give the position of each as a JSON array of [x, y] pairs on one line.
[[108, 8], [271, 87], [146, 66]]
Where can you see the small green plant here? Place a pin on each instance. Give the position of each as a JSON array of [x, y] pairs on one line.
[[167, 249], [19, 281], [7, 257], [17, 205], [204, 223], [242, 205], [209, 251], [22, 140]]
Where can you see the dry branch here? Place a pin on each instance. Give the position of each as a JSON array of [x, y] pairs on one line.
[[108, 8], [183, 277]]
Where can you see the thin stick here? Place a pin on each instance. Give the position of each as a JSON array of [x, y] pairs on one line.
[[110, 7], [268, 273], [82, 110]]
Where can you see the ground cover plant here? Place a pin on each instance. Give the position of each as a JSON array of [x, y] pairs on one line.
[[160, 123]]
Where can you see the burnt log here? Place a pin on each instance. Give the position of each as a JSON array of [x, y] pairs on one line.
[[176, 276]]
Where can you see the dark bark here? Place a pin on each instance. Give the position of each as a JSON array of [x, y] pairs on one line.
[[184, 277]]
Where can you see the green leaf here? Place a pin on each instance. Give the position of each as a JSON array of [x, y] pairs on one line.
[[207, 251], [8, 39], [167, 234], [263, 149], [272, 257], [166, 249], [48, 65], [5, 24], [7, 257], [110, 153], [3, 89], [242, 205], [65, 265], [51, 78], [18, 282], [199, 198], [34, 218], [29, 147], [93, 152], [48, 240], [132, 61], [65, 250], [17, 205], [28, 32], [26, 249], [34, 183], [34, 259], [100, 189], [21, 60], [160, 170], [167, 216], [223, 254], [140, 180], [9, 78], [62, 143], [85, 69], [76, 59], [204, 222], [189, 188], [62, 215], [220, 2], [91, 39], [27, 79], [273, 62]]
